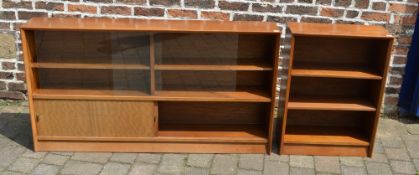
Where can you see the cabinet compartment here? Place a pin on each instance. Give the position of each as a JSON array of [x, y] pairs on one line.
[[90, 79], [209, 120], [215, 85], [333, 93], [356, 57], [214, 49], [80, 118], [328, 127], [99, 47]]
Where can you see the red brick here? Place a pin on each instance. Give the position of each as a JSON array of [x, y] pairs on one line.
[[215, 15], [280, 19], [20, 76], [343, 3], [343, 21], [247, 17], [17, 4], [241, 6], [8, 65], [301, 10], [206, 4], [405, 40], [140, 11], [397, 70], [8, 15], [119, 10], [403, 8], [165, 2], [375, 16], [361, 4], [315, 20], [49, 6], [401, 50], [396, 80], [2, 85], [101, 1], [331, 12], [399, 60], [135, 2], [352, 14], [324, 2], [62, 15], [12, 95], [392, 90], [6, 75], [408, 20], [4, 25], [16, 86], [182, 13], [82, 8], [258, 7], [29, 15], [305, 1], [379, 6], [390, 100]]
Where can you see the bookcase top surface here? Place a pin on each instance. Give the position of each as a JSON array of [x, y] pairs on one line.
[[152, 25], [339, 30]]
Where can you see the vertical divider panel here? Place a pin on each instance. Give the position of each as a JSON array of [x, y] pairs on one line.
[[152, 62], [28, 45], [153, 83]]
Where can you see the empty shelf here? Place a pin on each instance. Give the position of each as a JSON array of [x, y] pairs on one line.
[[233, 96], [331, 104], [329, 73], [325, 136], [88, 94], [213, 133], [89, 66], [213, 67]]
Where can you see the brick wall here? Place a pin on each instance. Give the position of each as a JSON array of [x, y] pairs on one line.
[[398, 16]]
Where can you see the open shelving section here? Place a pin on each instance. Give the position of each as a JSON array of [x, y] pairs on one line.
[[132, 85], [336, 78]]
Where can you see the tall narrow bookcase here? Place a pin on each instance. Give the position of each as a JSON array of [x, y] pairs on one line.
[[336, 79], [131, 85]]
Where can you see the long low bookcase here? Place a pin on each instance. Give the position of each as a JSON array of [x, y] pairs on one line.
[[131, 85]]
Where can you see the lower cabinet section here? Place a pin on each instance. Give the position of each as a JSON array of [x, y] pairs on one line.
[[136, 126], [84, 119]]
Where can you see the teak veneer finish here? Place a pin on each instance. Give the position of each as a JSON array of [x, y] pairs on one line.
[[335, 85], [131, 85]]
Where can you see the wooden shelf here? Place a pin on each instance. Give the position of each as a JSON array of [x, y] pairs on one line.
[[338, 30], [89, 66], [331, 104], [214, 133], [355, 74], [147, 25], [325, 136], [88, 94], [249, 95], [239, 96], [213, 67]]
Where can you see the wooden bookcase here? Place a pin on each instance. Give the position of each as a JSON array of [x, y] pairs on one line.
[[334, 92], [130, 85]]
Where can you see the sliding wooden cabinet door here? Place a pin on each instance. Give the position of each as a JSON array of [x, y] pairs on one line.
[[84, 118]]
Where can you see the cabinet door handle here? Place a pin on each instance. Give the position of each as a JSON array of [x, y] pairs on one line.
[[37, 116]]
